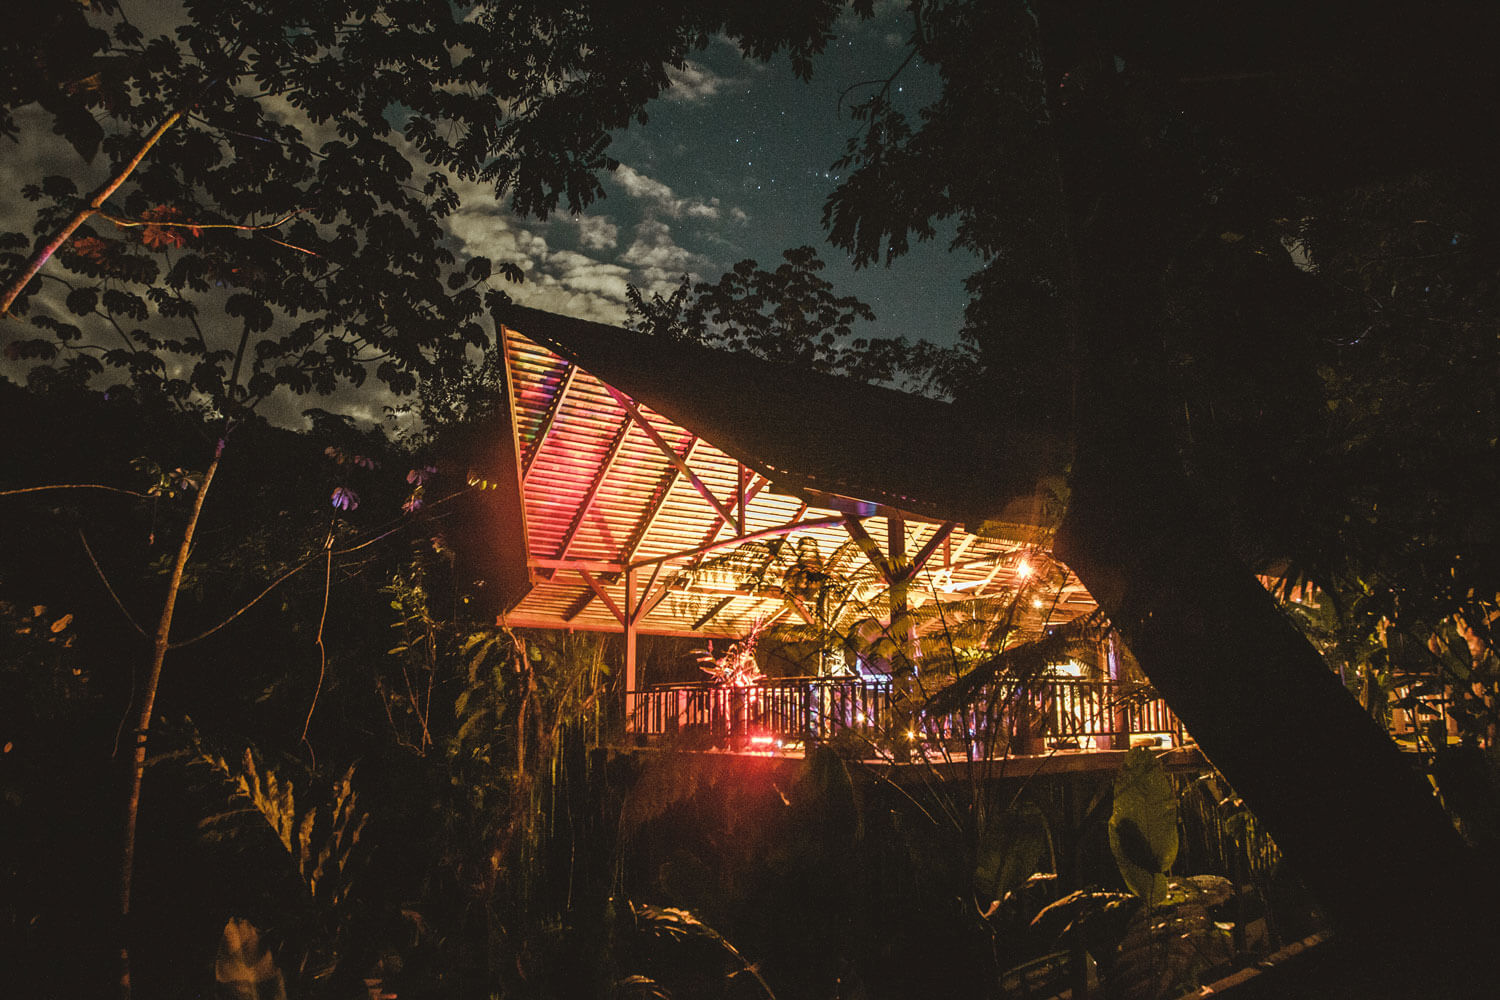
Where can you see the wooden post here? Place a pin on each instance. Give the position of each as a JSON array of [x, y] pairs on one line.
[[903, 664], [629, 624], [1119, 711]]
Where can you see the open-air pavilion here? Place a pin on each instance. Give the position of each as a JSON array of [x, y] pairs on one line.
[[644, 487]]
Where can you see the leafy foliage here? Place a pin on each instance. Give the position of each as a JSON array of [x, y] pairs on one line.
[[1011, 849], [245, 968], [299, 167], [318, 841], [1143, 825], [792, 316]]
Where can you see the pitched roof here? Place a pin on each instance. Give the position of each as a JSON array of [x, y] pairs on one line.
[[811, 432], [691, 491]]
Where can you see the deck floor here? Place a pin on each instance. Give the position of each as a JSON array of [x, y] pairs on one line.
[[1188, 758]]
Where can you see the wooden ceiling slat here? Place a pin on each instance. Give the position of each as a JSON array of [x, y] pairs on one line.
[[548, 416], [610, 483], [593, 491], [672, 457]]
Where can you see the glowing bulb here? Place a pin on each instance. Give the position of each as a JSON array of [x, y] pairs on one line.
[[911, 734], [1023, 569], [1036, 602]]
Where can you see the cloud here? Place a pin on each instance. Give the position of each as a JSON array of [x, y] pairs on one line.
[[484, 229], [657, 259], [694, 82], [665, 201], [596, 232]]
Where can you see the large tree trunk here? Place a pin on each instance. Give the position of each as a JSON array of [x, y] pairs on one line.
[[1353, 816]]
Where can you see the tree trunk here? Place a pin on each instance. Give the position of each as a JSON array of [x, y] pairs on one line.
[[1351, 814], [161, 643], [1354, 818]]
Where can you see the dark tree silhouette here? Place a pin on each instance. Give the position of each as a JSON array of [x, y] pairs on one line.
[[1133, 179]]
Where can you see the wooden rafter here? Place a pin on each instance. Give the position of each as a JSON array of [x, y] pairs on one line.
[[598, 589], [743, 498], [928, 548], [648, 518], [545, 427], [587, 501], [780, 529], [591, 565], [708, 616], [580, 603], [740, 499], [869, 547], [796, 605], [771, 618], [672, 456], [652, 599], [526, 620]]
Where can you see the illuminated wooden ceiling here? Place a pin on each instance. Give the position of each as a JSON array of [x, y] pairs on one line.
[[607, 511]]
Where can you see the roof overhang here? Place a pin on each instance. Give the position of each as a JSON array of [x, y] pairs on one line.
[[683, 491]]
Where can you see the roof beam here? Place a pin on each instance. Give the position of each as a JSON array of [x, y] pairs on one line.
[[598, 588], [591, 565], [743, 498], [593, 491], [740, 499], [869, 547], [925, 552], [672, 456], [780, 529], [651, 600], [706, 618], [795, 603], [663, 490], [553, 405], [588, 625]]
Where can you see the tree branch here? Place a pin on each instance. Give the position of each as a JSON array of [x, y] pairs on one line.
[[322, 650], [74, 486], [283, 578], [96, 203], [105, 580], [165, 224]]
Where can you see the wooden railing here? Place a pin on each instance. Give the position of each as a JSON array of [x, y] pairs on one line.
[[1035, 716]]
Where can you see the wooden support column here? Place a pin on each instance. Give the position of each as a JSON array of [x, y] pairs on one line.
[[630, 665], [902, 631], [1120, 712], [904, 666]]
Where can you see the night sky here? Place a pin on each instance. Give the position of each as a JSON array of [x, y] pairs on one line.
[[734, 162]]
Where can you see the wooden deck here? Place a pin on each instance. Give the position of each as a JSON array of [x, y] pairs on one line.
[[1038, 718]]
